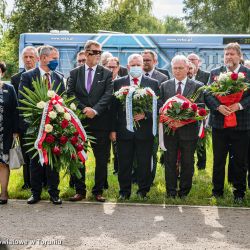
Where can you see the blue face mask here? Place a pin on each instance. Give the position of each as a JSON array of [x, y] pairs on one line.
[[135, 71], [53, 64]]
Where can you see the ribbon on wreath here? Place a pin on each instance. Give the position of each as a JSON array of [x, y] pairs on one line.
[[42, 152]]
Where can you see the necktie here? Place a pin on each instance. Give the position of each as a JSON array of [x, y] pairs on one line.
[[47, 80], [147, 74], [135, 81], [89, 80], [179, 89]]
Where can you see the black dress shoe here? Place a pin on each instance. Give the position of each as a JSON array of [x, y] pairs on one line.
[[55, 200], [26, 186], [99, 198], [2, 202], [33, 200]]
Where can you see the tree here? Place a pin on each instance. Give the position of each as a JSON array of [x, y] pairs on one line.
[[2, 15], [174, 25], [218, 16]]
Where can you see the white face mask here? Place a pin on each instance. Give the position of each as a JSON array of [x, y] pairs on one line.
[[135, 71]]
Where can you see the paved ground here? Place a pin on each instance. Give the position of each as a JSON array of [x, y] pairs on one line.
[[114, 226]]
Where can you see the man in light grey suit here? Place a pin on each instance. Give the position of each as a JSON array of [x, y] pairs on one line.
[[149, 61], [185, 137]]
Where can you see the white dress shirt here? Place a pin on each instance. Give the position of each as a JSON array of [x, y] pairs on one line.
[[183, 84], [87, 72], [132, 82]]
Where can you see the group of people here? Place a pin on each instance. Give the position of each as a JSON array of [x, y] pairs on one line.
[[94, 80]]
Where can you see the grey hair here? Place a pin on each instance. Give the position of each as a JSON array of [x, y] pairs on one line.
[[135, 56], [193, 54], [47, 49], [179, 58], [89, 43], [104, 57], [34, 50]]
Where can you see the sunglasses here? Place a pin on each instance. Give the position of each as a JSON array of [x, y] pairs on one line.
[[94, 52], [112, 67]]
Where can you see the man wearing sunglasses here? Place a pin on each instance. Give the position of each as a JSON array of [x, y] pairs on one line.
[[92, 86]]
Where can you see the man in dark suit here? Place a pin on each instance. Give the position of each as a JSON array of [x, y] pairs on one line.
[[92, 86], [48, 62], [201, 76], [149, 61], [185, 137], [138, 143], [30, 58], [236, 137]]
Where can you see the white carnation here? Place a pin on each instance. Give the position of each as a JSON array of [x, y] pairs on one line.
[[41, 104], [67, 116], [72, 106], [59, 108], [223, 77], [51, 93], [241, 75], [48, 128], [52, 114]]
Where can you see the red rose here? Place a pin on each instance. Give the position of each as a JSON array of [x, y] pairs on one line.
[[50, 139], [194, 107], [64, 124], [76, 133], [202, 112], [74, 140], [79, 147], [234, 76], [185, 105], [63, 139], [73, 156], [56, 150]]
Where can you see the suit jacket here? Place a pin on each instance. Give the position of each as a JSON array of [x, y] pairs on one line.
[[202, 76], [123, 71], [26, 81], [160, 77], [99, 97], [242, 116], [15, 80], [167, 90], [164, 71], [119, 123], [10, 116]]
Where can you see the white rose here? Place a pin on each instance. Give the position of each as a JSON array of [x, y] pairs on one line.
[[48, 128], [41, 104], [52, 114], [223, 77], [51, 93], [241, 75], [72, 106], [67, 116]]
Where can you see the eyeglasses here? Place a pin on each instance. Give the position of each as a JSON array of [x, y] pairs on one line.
[[94, 52], [81, 61]]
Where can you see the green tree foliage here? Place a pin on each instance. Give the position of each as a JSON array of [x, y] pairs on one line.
[[173, 25], [218, 16], [2, 15]]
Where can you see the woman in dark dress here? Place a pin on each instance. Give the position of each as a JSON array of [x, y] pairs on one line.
[[8, 130]]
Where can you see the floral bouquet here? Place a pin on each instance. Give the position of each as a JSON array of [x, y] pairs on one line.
[[228, 88], [137, 100], [55, 131], [179, 111]]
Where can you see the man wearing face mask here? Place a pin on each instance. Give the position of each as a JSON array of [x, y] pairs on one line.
[[48, 64], [92, 86], [30, 58], [138, 143]]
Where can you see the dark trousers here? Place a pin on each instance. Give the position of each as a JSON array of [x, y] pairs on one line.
[[248, 166], [231, 171], [79, 184], [142, 149], [101, 150], [187, 149], [238, 140], [154, 166], [114, 146], [36, 174], [201, 157], [26, 166]]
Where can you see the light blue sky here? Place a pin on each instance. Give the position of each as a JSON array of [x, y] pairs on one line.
[[161, 8]]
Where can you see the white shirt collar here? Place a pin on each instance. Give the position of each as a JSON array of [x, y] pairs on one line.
[[42, 72], [235, 71], [87, 67], [183, 81], [150, 72], [131, 79]]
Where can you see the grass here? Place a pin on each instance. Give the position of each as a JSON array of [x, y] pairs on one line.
[[199, 195]]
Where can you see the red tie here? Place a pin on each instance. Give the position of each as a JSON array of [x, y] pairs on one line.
[[47, 80], [135, 81], [179, 89]]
